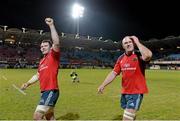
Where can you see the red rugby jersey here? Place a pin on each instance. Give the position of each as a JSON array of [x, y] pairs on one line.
[[133, 74], [48, 71]]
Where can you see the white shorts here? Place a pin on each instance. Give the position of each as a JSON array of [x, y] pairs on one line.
[[44, 109]]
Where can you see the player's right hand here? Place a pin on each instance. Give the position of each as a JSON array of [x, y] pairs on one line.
[[100, 89], [49, 21], [24, 86]]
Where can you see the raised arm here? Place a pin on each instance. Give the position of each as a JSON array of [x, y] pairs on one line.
[[145, 52], [54, 34], [110, 77]]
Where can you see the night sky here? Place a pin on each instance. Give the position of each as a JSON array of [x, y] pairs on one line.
[[112, 19]]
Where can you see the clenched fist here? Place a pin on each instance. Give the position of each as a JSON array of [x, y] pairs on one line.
[[49, 21]]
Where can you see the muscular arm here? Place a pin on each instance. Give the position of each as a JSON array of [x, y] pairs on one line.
[[145, 52], [54, 34]]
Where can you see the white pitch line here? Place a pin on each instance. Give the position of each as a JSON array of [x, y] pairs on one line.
[[4, 77], [18, 89]]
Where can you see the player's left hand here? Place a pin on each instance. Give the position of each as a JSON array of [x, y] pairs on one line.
[[100, 89], [49, 21], [135, 40]]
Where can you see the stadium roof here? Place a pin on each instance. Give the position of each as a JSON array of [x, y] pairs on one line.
[[34, 37]]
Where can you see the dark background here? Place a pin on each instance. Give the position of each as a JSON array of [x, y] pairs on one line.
[[112, 19]]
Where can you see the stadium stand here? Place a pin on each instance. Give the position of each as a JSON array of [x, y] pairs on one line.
[[20, 48]]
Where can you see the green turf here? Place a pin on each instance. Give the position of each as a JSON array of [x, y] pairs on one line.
[[81, 101]]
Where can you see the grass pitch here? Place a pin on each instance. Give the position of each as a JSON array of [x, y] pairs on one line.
[[81, 101]]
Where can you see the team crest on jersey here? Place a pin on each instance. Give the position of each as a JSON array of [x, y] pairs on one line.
[[126, 65], [135, 59]]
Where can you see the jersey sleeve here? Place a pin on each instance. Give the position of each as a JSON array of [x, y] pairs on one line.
[[117, 67], [55, 54]]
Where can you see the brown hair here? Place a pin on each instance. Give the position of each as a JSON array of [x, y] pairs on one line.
[[48, 41]]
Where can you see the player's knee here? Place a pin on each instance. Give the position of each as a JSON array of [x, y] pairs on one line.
[[50, 116], [129, 115], [38, 115]]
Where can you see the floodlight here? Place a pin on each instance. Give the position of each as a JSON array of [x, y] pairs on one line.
[[77, 11]]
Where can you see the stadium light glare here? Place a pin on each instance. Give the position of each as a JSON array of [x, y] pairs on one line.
[[161, 48], [5, 27], [100, 38], [40, 32], [77, 13], [24, 30]]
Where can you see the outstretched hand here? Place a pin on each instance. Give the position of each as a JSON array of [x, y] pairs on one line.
[[100, 89], [24, 86]]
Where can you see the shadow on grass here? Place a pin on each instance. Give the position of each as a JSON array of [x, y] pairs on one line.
[[69, 116], [118, 117]]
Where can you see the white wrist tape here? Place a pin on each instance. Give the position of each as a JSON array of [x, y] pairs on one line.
[[33, 79]]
